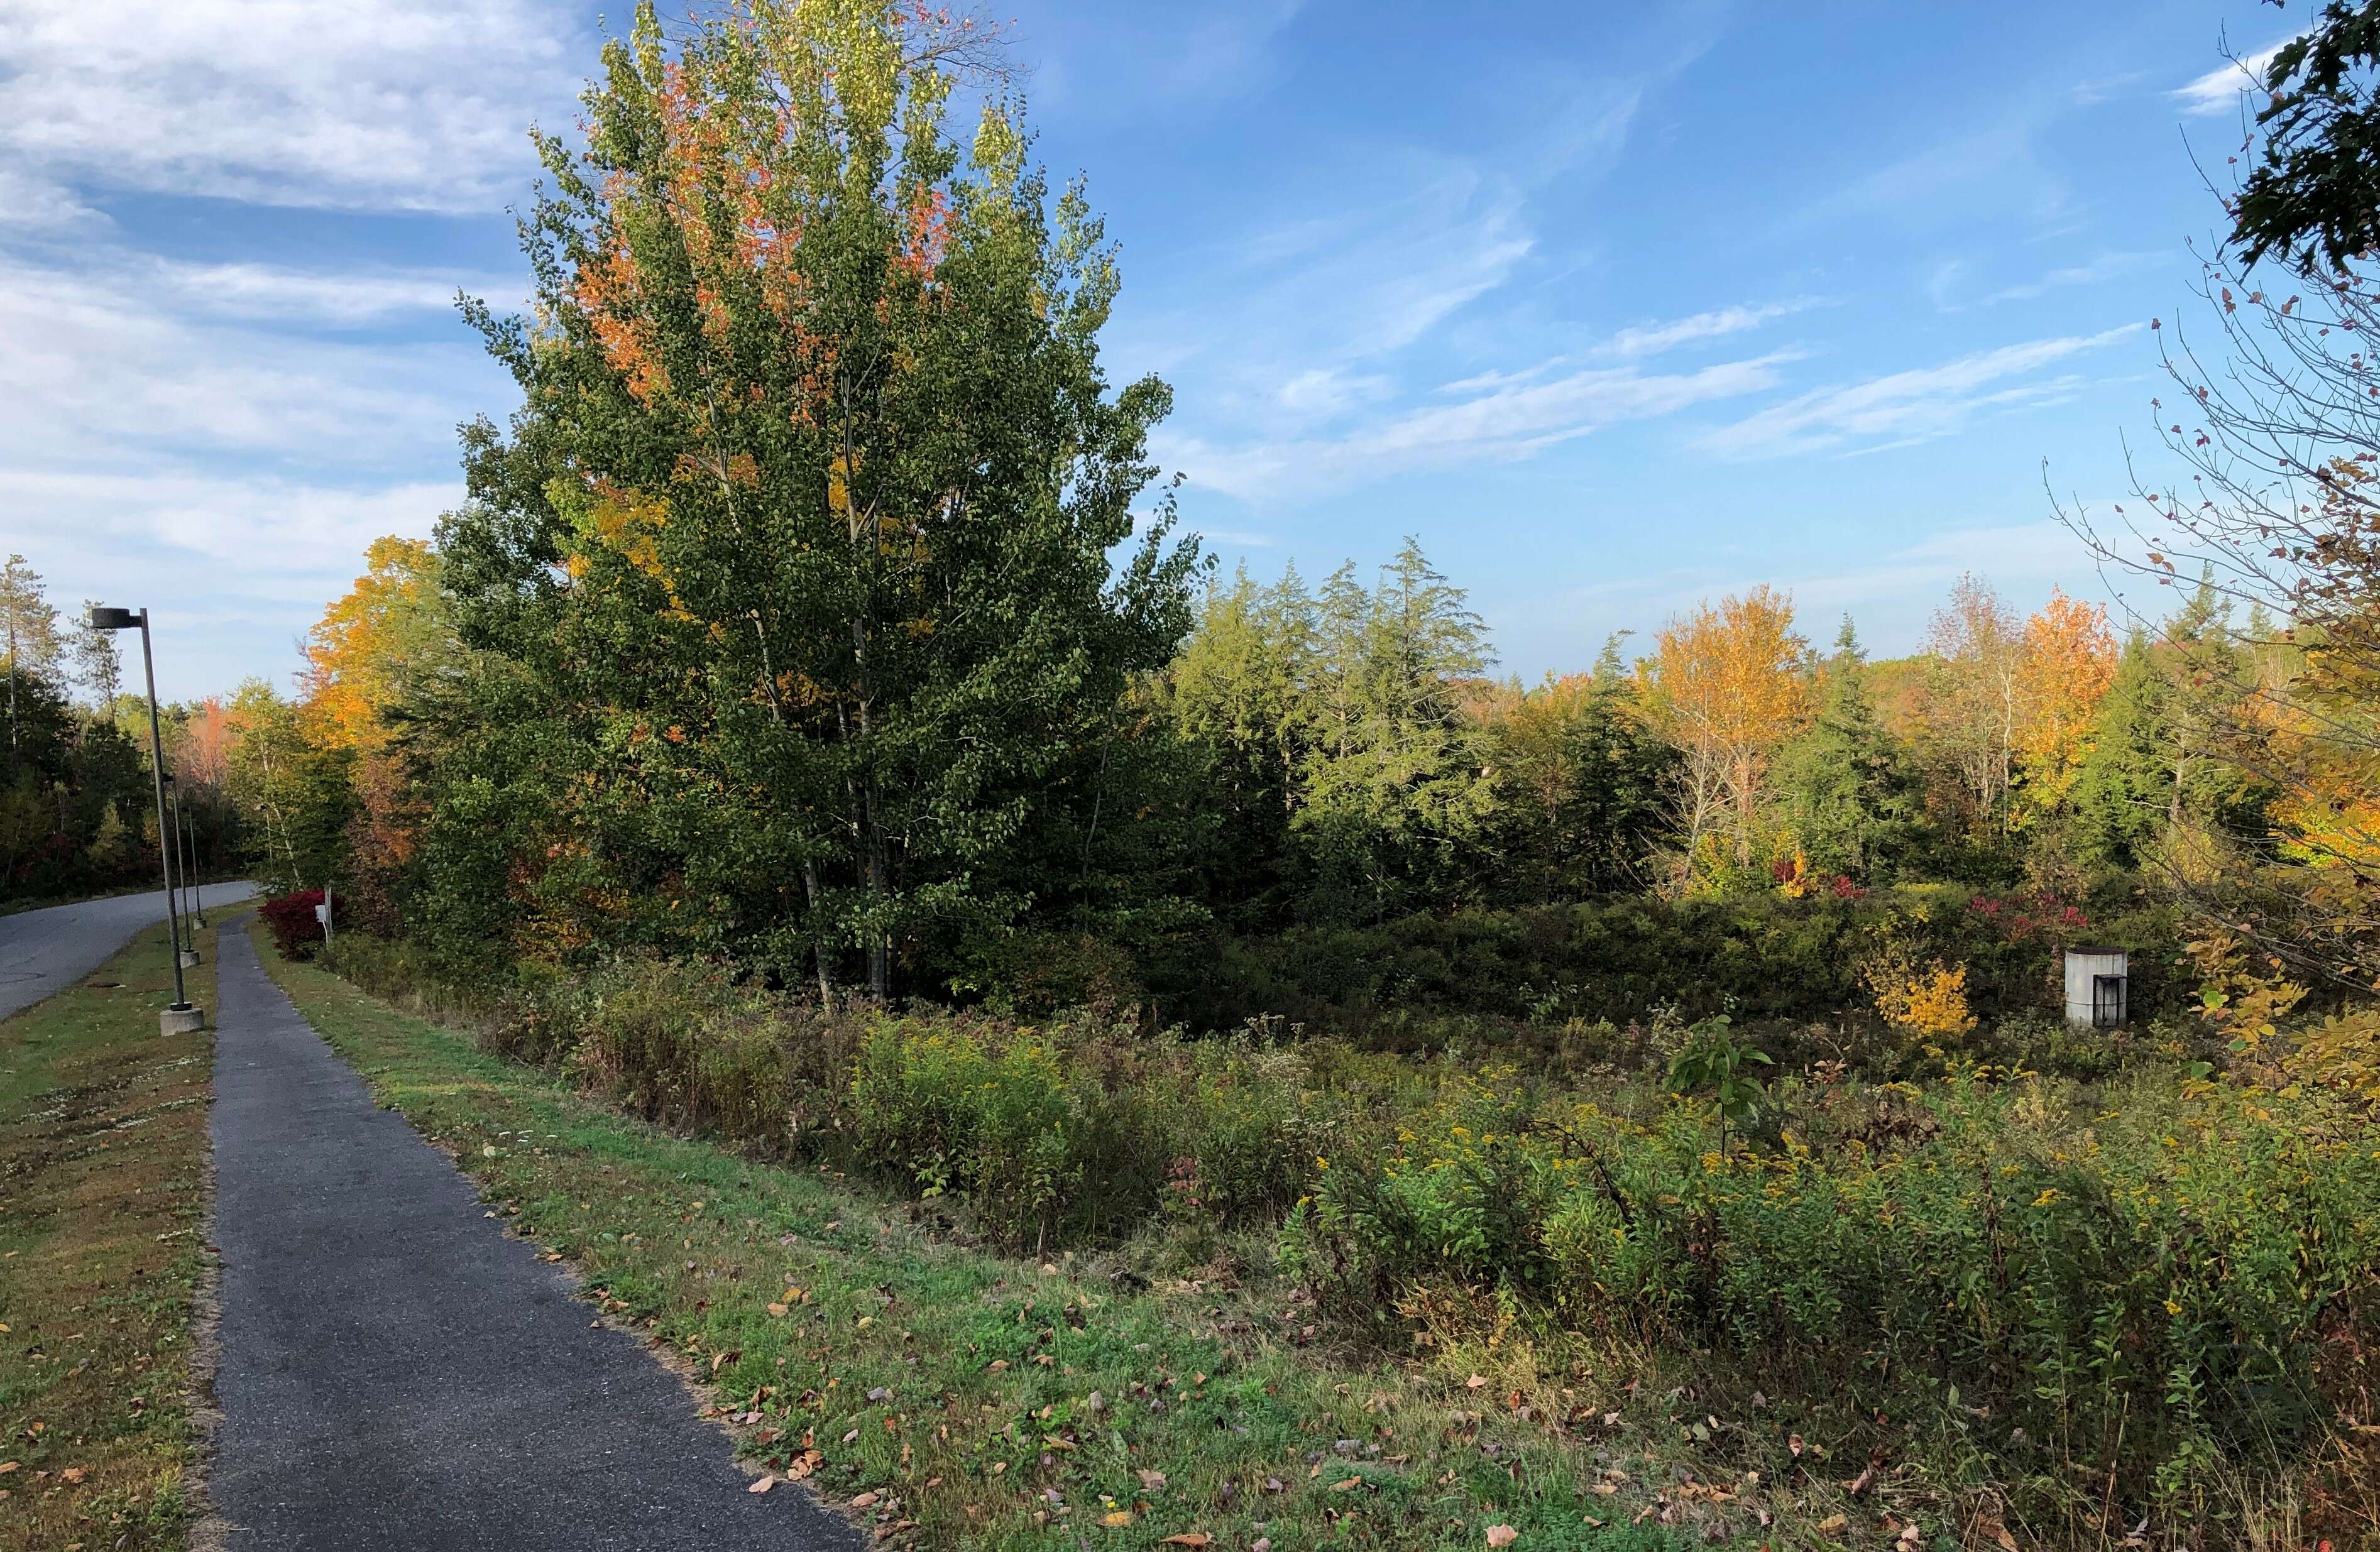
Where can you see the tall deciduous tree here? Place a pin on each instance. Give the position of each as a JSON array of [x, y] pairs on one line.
[[805, 529], [1725, 687], [2066, 659], [1974, 698]]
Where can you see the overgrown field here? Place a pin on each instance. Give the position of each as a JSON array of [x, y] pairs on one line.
[[2017, 1282], [102, 1204]]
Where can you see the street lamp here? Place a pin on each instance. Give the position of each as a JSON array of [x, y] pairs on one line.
[[190, 873], [188, 947], [181, 1018]]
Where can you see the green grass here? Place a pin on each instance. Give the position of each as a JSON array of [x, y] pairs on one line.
[[102, 1201], [955, 1398]]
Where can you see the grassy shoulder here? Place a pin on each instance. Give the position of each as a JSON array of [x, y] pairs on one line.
[[950, 1396], [102, 1204]]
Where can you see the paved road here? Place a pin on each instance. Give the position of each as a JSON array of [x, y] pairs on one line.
[[397, 1373], [44, 951]]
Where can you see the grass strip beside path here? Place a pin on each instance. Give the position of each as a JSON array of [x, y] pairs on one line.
[[952, 1398], [103, 1207]]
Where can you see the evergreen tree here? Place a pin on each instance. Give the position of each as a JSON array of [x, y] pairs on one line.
[[2124, 796], [1844, 784]]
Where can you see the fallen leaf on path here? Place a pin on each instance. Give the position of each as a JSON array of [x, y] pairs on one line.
[[762, 1486]]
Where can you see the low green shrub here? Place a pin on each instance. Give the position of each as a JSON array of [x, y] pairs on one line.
[[1412, 984], [2140, 1288], [1079, 1129]]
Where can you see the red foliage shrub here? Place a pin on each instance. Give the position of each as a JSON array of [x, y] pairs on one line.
[[291, 919]]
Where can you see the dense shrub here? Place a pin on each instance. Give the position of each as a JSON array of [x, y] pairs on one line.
[[2140, 1288], [290, 918], [1079, 1129], [1758, 957]]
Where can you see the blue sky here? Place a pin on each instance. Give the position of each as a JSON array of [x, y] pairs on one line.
[[1613, 308]]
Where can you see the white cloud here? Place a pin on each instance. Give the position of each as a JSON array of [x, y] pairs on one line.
[[2219, 90], [234, 567], [2106, 266], [97, 370], [1908, 406], [270, 292], [1505, 422], [1647, 339], [413, 105]]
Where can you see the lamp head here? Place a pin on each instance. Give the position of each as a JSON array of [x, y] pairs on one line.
[[106, 619]]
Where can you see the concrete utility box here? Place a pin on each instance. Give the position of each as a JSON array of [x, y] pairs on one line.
[[2098, 987]]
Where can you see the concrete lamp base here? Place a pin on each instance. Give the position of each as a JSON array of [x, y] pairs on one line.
[[190, 958], [182, 1020]]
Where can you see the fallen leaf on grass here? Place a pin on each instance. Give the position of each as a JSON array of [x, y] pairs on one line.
[[1351, 1484], [1794, 1443], [1188, 1538], [1116, 1518], [777, 1311], [1153, 1480], [1833, 1523], [864, 1500], [74, 1474], [1474, 1382], [1503, 1535]]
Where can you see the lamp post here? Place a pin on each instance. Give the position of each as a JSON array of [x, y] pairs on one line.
[[190, 873], [187, 949], [181, 1018]]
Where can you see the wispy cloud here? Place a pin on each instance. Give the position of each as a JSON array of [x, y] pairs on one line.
[[414, 104], [1505, 422], [233, 565], [1908, 406], [2219, 90], [2106, 266], [1648, 339], [285, 296], [100, 368]]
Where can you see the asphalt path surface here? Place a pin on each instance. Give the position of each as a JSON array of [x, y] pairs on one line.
[[45, 950], [397, 1372]]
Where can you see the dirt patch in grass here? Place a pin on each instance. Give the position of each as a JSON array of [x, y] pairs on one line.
[[103, 1210]]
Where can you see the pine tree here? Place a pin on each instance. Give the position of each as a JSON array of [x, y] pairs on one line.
[[1844, 785], [28, 634], [2124, 794]]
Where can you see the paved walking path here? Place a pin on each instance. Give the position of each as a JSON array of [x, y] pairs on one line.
[[397, 1373], [44, 951]]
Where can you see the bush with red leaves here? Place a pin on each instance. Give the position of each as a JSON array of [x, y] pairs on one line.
[[291, 919]]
